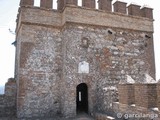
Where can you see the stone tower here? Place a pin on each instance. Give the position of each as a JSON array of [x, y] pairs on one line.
[[71, 60]]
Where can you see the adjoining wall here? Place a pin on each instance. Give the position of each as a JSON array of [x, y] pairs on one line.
[[142, 99], [8, 100]]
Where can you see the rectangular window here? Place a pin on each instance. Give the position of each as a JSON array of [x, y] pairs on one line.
[[80, 96]]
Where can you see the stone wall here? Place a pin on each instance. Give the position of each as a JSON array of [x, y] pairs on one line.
[[8, 100], [111, 53], [58, 50], [39, 71], [45, 81]]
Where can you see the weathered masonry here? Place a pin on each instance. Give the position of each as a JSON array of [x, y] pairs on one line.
[[71, 60]]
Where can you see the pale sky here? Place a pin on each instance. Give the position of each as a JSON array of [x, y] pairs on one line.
[[8, 13]]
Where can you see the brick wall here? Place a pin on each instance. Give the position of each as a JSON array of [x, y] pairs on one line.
[[146, 95], [126, 94]]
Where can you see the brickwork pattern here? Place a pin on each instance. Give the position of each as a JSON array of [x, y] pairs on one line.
[[146, 95], [126, 94]]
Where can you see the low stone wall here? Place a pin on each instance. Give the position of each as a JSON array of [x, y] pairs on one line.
[[8, 100], [133, 112], [7, 106]]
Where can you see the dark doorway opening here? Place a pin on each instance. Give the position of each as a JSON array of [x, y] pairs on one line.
[[82, 98]]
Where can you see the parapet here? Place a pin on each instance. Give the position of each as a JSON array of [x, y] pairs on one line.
[[120, 7], [46, 3], [105, 5], [26, 2], [88, 3], [62, 3], [147, 12], [134, 10]]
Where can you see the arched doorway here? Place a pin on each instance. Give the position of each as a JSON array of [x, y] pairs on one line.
[[82, 98]]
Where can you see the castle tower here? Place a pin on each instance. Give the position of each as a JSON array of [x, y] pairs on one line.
[[71, 60]]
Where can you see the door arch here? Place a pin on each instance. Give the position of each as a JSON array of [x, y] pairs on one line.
[[82, 98]]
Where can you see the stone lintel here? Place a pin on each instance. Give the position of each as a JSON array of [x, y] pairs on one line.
[[34, 15]]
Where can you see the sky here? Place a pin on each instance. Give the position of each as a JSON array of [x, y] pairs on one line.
[[8, 13]]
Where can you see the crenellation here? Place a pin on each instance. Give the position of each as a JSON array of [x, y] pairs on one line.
[[147, 12], [105, 5], [71, 2], [60, 4], [88, 3], [134, 10], [46, 4], [120, 7], [26, 2]]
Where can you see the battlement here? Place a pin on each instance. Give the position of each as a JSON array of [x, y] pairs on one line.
[[105, 5], [136, 18]]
